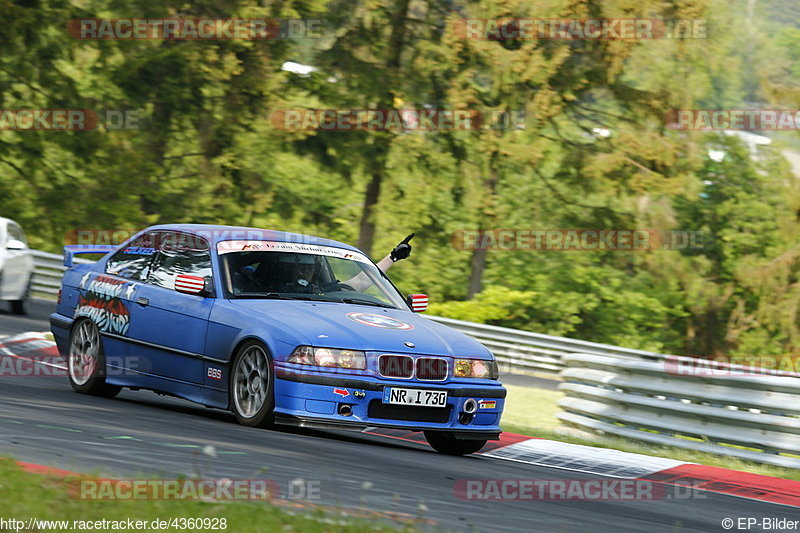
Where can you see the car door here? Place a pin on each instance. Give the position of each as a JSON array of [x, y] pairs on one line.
[[107, 298], [168, 327], [17, 265]]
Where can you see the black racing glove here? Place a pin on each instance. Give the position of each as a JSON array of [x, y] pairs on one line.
[[402, 250]]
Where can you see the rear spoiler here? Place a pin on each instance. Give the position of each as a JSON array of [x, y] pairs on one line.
[[79, 249]]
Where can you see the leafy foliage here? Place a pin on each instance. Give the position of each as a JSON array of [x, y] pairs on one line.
[[592, 151]]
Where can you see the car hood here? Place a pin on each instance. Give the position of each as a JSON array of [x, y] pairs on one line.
[[360, 327]]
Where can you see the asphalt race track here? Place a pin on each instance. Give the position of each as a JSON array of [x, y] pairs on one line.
[[143, 435], [35, 320]]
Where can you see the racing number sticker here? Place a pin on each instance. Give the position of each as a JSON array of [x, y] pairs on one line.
[[379, 321]]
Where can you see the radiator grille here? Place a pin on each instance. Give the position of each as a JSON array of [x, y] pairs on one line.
[[396, 366], [431, 369]]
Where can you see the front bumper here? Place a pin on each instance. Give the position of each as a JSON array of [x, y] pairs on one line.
[[314, 400]]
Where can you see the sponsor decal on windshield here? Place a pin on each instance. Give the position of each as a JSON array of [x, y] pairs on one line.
[[227, 247], [379, 321], [140, 250]]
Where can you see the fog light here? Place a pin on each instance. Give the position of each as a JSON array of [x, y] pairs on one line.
[[470, 406]]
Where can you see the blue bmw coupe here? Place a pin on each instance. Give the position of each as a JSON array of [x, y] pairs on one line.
[[280, 328]]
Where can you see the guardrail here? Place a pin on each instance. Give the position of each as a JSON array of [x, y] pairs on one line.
[[723, 409], [526, 350], [47, 273], [48, 269]]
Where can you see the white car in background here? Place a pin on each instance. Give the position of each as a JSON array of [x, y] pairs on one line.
[[16, 266]]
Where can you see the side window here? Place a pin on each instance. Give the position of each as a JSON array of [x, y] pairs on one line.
[[180, 254], [350, 273], [344, 270], [133, 261]]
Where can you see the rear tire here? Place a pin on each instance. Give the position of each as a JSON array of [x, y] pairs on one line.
[[251, 386], [446, 443], [86, 361], [20, 307]]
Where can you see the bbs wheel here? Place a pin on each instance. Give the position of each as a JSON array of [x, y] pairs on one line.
[[86, 361], [252, 397]]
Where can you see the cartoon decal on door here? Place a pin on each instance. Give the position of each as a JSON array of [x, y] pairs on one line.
[[101, 303]]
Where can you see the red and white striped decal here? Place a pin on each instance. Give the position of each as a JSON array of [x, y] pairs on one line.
[[419, 302], [189, 284]]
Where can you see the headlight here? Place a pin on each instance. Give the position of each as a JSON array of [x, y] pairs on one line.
[[475, 368], [330, 357]]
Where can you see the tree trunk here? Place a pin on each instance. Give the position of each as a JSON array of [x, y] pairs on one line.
[[366, 234], [477, 266], [479, 256], [383, 143]]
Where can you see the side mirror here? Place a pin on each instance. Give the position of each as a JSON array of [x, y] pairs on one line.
[[15, 244], [193, 285], [417, 302]]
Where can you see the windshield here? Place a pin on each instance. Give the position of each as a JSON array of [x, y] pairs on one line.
[[263, 269]]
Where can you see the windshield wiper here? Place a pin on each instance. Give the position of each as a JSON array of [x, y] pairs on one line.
[[366, 302], [279, 296], [273, 296]]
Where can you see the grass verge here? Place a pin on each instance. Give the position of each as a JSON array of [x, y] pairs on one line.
[[531, 411], [25, 495]]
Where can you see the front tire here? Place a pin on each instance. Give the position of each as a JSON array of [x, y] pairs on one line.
[[251, 388], [446, 443], [20, 307], [87, 362]]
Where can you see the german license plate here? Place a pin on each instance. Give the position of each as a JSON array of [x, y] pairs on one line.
[[419, 397]]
